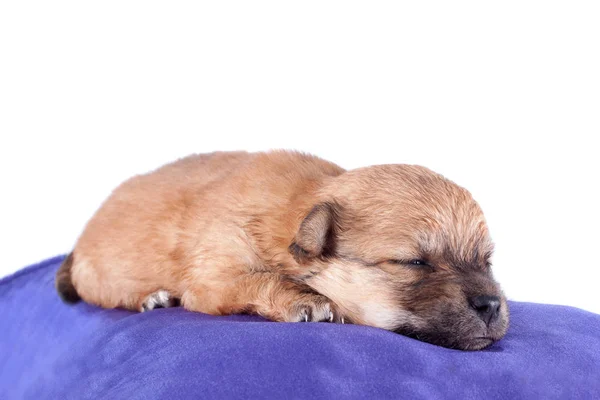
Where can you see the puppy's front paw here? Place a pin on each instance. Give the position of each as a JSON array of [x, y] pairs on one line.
[[314, 308], [159, 299]]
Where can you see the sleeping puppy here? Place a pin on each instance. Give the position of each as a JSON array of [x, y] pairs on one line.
[[295, 238]]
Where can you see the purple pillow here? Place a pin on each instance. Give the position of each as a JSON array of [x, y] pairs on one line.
[[51, 350]]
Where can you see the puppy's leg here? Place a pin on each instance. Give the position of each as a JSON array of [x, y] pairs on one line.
[[159, 299], [266, 294]]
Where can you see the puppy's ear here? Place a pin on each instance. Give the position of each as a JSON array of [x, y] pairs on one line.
[[316, 236]]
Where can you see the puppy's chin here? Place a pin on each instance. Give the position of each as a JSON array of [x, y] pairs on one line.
[[468, 334], [444, 340]]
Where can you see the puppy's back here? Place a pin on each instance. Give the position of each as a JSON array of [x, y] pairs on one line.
[[127, 245]]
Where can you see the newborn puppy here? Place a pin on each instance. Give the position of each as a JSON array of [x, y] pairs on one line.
[[295, 238]]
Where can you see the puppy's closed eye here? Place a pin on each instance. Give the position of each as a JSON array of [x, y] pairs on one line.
[[411, 263]]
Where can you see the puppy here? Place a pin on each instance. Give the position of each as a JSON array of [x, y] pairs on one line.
[[295, 238]]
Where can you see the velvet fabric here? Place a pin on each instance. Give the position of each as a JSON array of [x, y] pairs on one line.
[[49, 350]]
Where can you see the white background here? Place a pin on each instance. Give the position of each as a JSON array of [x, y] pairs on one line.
[[502, 97]]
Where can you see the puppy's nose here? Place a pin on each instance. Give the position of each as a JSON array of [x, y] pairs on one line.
[[488, 307]]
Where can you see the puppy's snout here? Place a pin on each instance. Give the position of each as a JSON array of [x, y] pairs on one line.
[[487, 307]]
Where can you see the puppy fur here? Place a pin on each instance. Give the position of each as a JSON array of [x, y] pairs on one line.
[[292, 237]]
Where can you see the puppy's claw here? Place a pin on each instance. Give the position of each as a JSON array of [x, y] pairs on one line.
[[158, 299], [312, 308]]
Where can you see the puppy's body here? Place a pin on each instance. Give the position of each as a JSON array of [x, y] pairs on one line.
[[195, 228], [292, 237]]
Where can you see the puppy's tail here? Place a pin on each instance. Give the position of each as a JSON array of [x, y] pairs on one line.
[[63, 282]]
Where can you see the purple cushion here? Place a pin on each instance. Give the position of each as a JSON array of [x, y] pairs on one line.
[[51, 350]]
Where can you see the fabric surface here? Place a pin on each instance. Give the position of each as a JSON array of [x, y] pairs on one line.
[[51, 350]]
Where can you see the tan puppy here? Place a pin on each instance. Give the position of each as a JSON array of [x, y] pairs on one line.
[[295, 238]]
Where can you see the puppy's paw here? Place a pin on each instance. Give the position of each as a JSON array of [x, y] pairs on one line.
[[159, 299], [314, 308]]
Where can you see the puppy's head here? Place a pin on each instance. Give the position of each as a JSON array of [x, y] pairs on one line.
[[402, 248]]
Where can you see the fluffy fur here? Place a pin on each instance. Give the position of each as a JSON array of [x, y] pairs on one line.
[[292, 237]]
